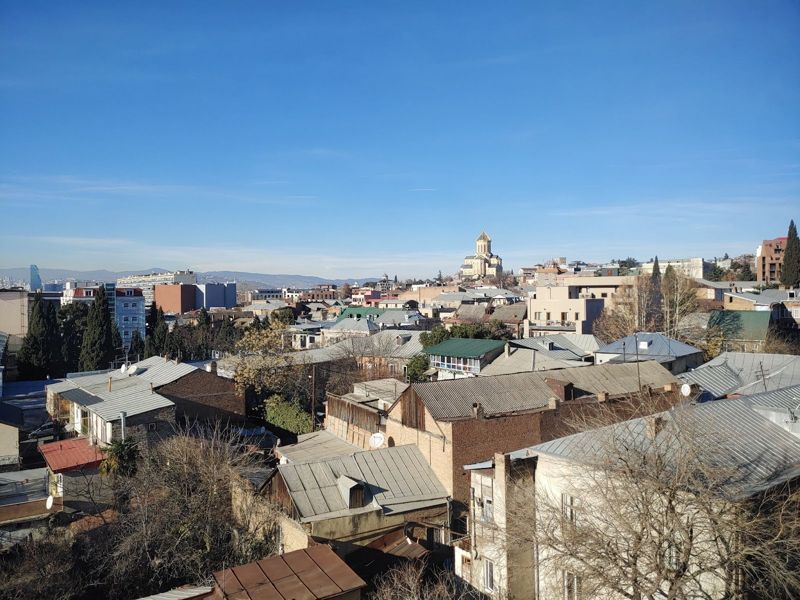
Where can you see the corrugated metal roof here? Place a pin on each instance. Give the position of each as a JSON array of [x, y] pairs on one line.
[[383, 343], [318, 445], [645, 345], [783, 399], [184, 593], [465, 347], [397, 479], [746, 373], [737, 438], [453, 399], [315, 573], [66, 455], [521, 360], [510, 313]]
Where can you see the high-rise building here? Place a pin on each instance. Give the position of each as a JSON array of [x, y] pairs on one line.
[[769, 260], [35, 279], [148, 281]]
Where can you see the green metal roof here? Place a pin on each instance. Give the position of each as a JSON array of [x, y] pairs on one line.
[[353, 312], [741, 324], [465, 347]]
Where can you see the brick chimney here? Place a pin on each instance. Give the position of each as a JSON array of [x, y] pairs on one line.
[[562, 389]]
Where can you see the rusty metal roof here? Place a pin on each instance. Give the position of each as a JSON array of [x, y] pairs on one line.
[[314, 573], [67, 455]]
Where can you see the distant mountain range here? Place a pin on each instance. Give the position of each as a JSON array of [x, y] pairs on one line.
[[259, 279]]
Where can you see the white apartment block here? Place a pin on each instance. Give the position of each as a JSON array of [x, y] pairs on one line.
[[147, 282]]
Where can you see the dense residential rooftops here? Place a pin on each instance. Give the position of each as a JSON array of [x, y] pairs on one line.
[[396, 479], [355, 325], [648, 346], [465, 347], [454, 399], [745, 373], [766, 297], [738, 439], [391, 343]]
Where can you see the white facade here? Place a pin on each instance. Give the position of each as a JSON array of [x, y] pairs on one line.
[[130, 315], [148, 282]]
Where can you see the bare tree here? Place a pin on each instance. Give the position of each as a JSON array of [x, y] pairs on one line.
[[636, 308], [410, 581], [678, 300], [184, 517], [654, 508]]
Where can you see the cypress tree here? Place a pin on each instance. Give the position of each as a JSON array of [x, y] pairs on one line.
[[151, 320], [136, 349], [656, 272], [117, 338], [72, 321], [790, 272], [97, 350], [39, 355]]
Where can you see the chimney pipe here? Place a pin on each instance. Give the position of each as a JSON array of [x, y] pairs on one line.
[[109, 383], [122, 416]]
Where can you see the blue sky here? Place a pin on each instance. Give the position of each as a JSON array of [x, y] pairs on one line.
[[353, 138]]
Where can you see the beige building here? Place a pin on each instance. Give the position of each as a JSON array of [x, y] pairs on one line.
[[483, 263], [769, 260], [561, 310], [695, 268], [14, 313]]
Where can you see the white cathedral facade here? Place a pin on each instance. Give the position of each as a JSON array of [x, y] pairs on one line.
[[483, 263]]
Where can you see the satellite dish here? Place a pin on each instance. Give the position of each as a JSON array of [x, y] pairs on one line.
[[376, 440], [131, 370], [49, 502], [123, 368], [686, 390]]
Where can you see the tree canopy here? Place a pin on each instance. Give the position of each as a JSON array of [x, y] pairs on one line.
[[790, 272]]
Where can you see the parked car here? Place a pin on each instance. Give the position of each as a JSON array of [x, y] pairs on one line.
[[45, 430]]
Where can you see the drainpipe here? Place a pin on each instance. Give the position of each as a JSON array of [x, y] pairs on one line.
[[122, 417]]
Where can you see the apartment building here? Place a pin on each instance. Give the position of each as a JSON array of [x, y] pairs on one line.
[[696, 268], [126, 306], [148, 281], [769, 260], [561, 310]]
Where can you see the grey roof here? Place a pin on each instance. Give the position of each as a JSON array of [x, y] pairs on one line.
[[183, 593], [397, 480], [522, 360], [359, 325], [652, 346], [764, 298], [475, 313], [727, 284], [398, 318], [376, 394], [736, 437], [503, 394], [389, 342], [130, 393], [510, 312], [315, 446], [560, 346], [784, 399], [745, 373]]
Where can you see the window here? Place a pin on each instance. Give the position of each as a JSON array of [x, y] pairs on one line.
[[488, 575], [125, 305], [572, 586], [125, 319], [603, 294], [127, 333], [151, 426], [134, 318], [569, 508], [577, 316]]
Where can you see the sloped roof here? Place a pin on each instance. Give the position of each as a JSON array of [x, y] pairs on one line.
[[738, 438], [396, 317], [784, 399], [522, 360], [317, 445], [511, 313], [520, 392], [66, 455], [314, 573], [750, 325], [559, 346], [655, 346], [397, 479], [746, 373], [360, 325], [473, 313], [766, 297], [383, 343], [465, 347]]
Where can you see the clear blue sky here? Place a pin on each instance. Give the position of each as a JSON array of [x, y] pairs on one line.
[[353, 138]]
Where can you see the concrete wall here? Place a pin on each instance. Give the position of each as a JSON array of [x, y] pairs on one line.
[[9, 445], [14, 312]]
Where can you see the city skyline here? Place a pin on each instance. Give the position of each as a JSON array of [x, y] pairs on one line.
[[264, 138]]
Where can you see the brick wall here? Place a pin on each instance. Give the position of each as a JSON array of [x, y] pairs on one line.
[[204, 396], [148, 428]]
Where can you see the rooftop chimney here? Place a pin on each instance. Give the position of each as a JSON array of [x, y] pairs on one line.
[[477, 410], [122, 416], [563, 389], [109, 383], [212, 367]]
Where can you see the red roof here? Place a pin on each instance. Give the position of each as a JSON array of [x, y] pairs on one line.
[[67, 455], [311, 574]]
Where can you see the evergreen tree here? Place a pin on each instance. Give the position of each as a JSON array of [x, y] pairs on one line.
[[136, 349], [72, 323], [255, 324], [656, 272], [226, 336], [40, 353], [790, 272], [97, 349], [151, 320], [117, 339]]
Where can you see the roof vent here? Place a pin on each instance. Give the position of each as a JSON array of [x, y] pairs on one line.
[[353, 492], [645, 344]]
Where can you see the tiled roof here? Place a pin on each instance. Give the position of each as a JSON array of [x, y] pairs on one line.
[[74, 453], [520, 392], [738, 439], [397, 479], [315, 573], [465, 347]]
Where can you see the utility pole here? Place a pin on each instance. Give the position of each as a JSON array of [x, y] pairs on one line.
[[638, 372], [313, 397]]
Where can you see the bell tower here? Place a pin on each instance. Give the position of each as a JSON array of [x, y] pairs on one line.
[[483, 245]]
